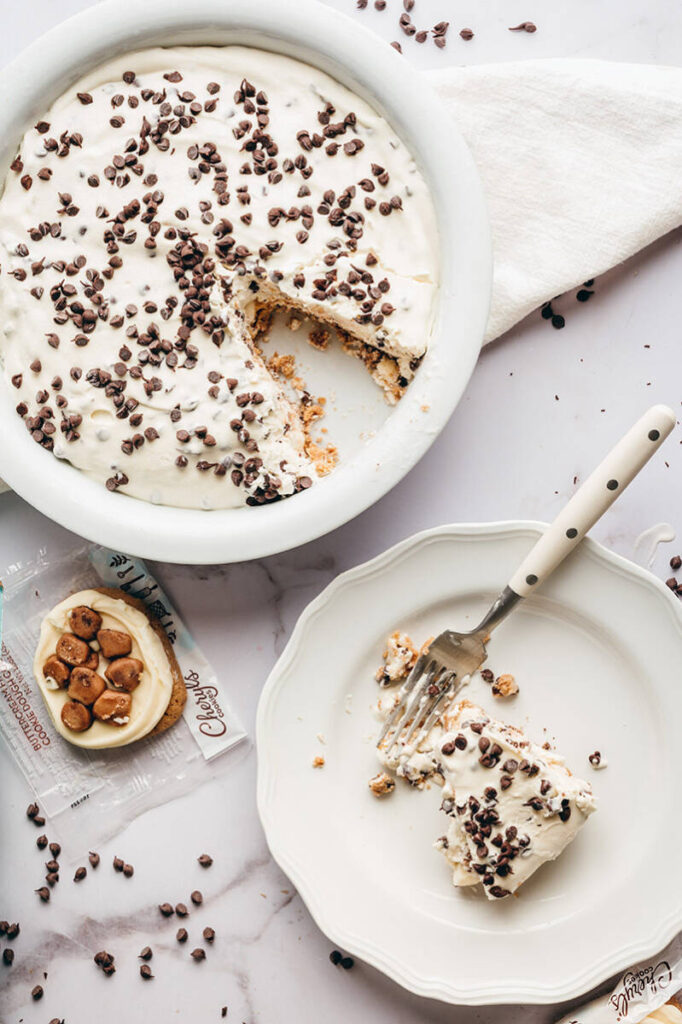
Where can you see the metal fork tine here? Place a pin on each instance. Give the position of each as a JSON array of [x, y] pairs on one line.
[[407, 687], [424, 706], [417, 692], [447, 691]]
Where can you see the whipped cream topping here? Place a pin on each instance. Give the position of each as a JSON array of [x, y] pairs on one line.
[[511, 804], [150, 697], [159, 205]]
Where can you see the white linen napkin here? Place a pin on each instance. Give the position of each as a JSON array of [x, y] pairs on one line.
[[581, 161]]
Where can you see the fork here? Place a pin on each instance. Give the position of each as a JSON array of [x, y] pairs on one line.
[[442, 668]]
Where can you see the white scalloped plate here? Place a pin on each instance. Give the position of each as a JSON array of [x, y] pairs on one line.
[[596, 653]]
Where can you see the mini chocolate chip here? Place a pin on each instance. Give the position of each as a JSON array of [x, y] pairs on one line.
[[205, 860], [196, 897], [181, 935], [146, 972], [198, 954]]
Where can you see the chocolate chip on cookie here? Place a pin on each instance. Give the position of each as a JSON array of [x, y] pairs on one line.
[[85, 622], [72, 649], [114, 643], [93, 661], [85, 685], [124, 673], [76, 716], [113, 707], [56, 673]]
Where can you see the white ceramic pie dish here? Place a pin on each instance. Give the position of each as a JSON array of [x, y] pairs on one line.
[[312, 32], [595, 654]]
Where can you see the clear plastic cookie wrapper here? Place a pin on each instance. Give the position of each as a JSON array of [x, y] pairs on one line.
[[87, 790], [651, 991]]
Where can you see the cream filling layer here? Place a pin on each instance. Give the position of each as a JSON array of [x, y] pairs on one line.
[[151, 696]]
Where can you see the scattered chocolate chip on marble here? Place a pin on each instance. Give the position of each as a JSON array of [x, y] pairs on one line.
[[347, 962], [209, 934], [181, 935], [32, 810], [487, 675], [44, 893], [146, 972], [336, 956], [396, 46], [39, 821], [198, 954], [205, 860], [37, 993], [41, 842], [80, 874], [52, 877], [525, 26], [52, 866], [181, 910], [166, 909], [223, 1011], [671, 583], [8, 957], [675, 562], [128, 870], [196, 897], [466, 33], [146, 953], [57, 1020], [105, 961], [94, 859], [55, 849], [13, 930], [118, 864]]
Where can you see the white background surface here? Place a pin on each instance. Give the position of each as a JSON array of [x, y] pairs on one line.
[[541, 409]]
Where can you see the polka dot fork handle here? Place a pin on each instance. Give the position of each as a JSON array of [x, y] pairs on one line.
[[451, 657], [593, 498]]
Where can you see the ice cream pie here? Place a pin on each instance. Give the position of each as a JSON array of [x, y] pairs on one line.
[[154, 219], [512, 805], [106, 670]]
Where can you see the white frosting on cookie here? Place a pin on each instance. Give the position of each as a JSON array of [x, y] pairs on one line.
[[150, 697]]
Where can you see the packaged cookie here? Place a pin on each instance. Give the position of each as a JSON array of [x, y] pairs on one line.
[[648, 993], [106, 701]]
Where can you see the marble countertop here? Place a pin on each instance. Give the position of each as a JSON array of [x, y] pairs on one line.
[[543, 405]]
